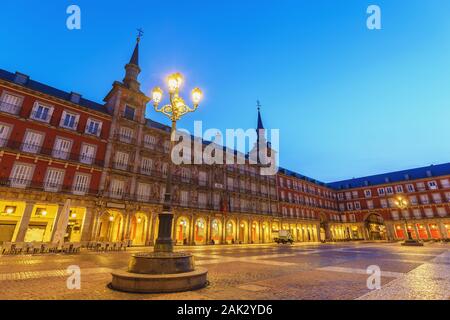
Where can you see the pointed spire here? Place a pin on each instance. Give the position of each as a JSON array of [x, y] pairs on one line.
[[132, 68], [260, 124], [135, 57]]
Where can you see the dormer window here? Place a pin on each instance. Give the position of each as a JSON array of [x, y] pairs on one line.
[[93, 127], [69, 120]]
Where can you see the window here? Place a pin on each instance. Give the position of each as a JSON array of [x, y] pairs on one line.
[[185, 175], [143, 191], [81, 183], [429, 212], [410, 187], [202, 199], [149, 141], [202, 179], [341, 207], [164, 168], [146, 166], [32, 142], [395, 215], [21, 175], [383, 203], [121, 160], [445, 183], [349, 206], [357, 205], [166, 146], [10, 103], [413, 200], [367, 193], [369, 204], [420, 186], [417, 214], [61, 149], [389, 190], [432, 185], [126, 134], [355, 194], [87, 153], [437, 198], [129, 112], [424, 199], [69, 120], [5, 130], [348, 195], [341, 196], [117, 188], [381, 192], [447, 195], [399, 189], [93, 127], [184, 195], [53, 180], [441, 212], [41, 112]]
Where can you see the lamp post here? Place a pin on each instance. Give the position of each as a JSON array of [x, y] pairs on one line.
[[164, 270], [174, 111], [402, 204]]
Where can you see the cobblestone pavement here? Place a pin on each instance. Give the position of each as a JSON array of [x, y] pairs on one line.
[[302, 271]]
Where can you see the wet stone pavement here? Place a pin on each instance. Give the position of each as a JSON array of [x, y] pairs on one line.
[[301, 271]]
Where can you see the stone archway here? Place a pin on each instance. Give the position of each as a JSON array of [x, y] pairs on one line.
[[325, 234], [182, 231], [265, 236], [200, 231], [243, 231], [138, 231], [230, 232], [374, 224], [215, 231], [110, 226], [254, 233]]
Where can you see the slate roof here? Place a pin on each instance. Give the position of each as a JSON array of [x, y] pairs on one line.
[[60, 94], [397, 176]]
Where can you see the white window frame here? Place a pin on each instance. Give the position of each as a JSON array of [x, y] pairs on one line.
[[84, 158], [10, 107], [29, 147], [21, 182], [38, 104], [53, 186], [88, 125], [60, 154], [78, 189], [75, 116], [4, 137]]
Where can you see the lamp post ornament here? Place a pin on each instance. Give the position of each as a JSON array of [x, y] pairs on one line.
[[174, 111]]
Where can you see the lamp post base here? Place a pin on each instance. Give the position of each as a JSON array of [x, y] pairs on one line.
[[412, 243], [160, 272]]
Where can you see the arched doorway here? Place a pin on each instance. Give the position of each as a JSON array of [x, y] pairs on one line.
[[255, 232], [216, 231], [324, 228], [243, 232], [110, 226], [375, 226], [139, 224], [230, 228], [182, 231], [265, 236], [200, 231]]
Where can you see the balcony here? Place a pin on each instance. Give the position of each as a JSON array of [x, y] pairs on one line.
[[46, 186], [39, 115], [124, 138], [18, 146], [121, 166], [10, 108]]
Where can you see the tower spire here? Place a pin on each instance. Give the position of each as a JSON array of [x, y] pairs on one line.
[[132, 69], [260, 123]]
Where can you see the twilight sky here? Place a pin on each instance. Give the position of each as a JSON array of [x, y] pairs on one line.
[[348, 101]]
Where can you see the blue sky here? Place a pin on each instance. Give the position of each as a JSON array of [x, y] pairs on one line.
[[348, 101]]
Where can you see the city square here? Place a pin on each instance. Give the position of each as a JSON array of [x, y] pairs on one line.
[[249, 272]]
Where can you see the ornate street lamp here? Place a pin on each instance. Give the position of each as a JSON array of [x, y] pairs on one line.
[[164, 270], [174, 111], [402, 204]]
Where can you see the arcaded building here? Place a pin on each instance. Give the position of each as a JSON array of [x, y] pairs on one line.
[[75, 170]]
